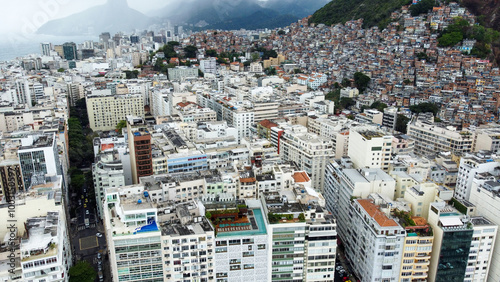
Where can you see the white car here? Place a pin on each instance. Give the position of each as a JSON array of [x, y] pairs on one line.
[[98, 235], [87, 212]]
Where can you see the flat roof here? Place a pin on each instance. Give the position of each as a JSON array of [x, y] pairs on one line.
[[451, 221]]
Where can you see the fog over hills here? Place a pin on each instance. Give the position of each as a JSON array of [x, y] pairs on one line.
[[113, 16], [116, 15]]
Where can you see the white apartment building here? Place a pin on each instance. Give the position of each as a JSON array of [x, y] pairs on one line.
[[133, 235], [180, 73], [242, 120], [369, 147], [373, 242], [487, 139], [471, 165], [265, 110], [390, 117], [431, 139], [301, 249], [106, 110], [38, 156], [160, 105], [308, 151], [256, 67], [46, 250], [187, 244], [197, 115], [209, 65], [370, 116], [241, 248], [485, 195], [107, 172]]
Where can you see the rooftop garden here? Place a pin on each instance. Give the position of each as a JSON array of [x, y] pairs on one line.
[[284, 218]]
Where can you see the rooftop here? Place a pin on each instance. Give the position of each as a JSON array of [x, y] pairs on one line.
[[374, 211]]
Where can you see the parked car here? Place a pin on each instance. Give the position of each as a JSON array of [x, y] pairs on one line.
[[98, 235]]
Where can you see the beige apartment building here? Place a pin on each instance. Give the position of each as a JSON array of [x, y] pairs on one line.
[[106, 110]]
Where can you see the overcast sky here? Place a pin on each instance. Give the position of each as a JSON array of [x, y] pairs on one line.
[[24, 15]]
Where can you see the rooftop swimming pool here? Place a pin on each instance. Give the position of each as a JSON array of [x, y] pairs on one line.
[[259, 230]]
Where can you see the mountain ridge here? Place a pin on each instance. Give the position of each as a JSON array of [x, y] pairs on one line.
[[113, 16]]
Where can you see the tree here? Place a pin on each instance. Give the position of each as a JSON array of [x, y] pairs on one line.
[[270, 71], [333, 96], [281, 32], [121, 124], [60, 70], [346, 102], [200, 73], [211, 53], [190, 51], [425, 108], [346, 82], [82, 272], [255, 57], [361, 80], [422, 7], [379, 106], [77, 182], [131, 74], [401, 123], [450, 39]]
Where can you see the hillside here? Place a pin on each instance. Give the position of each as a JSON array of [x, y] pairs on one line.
[[113, 16], [264, 18], [488, 15], [374, 12], [236, 14]]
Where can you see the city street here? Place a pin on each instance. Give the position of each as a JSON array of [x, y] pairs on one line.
[[86, 245]]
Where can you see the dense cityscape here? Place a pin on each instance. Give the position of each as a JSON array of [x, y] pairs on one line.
[[311, 152]]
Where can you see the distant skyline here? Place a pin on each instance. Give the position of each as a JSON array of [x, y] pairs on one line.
[[26, 16]]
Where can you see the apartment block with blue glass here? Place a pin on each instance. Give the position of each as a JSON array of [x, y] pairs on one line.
[[186, 162]]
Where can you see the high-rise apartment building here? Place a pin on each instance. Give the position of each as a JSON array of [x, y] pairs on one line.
[[105, 110], [139, 139], [416, 250], [75, 92], [38, 156], [373, 242], [69, 51], [302, 246], [463, 243], [133, 235], [209, 65], [485, 195], [471, 165], [308, 151], [369, 147], [45, 248], [431, 139], [23, 93], [45, 48], [107, 172]]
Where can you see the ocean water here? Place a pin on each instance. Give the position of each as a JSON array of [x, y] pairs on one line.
[[13, 45]]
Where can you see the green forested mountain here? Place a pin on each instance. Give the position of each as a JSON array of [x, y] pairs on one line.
[[374, 12]]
